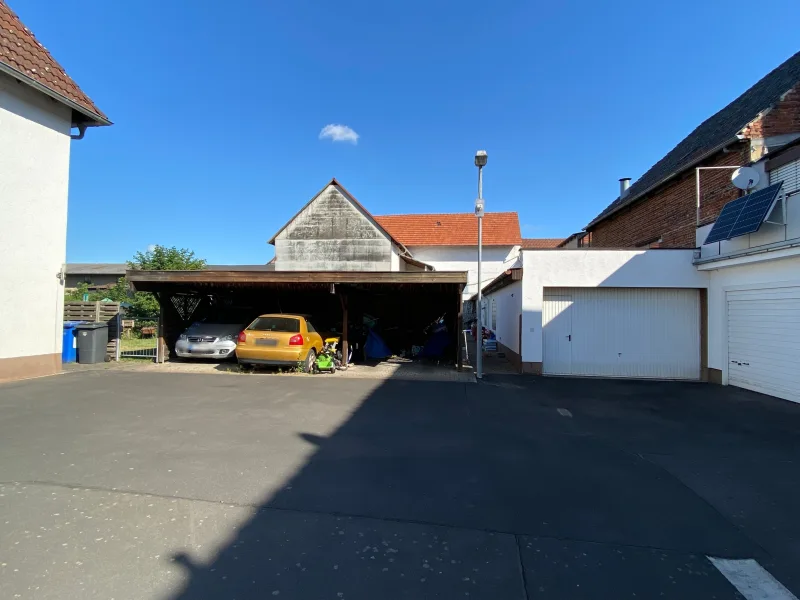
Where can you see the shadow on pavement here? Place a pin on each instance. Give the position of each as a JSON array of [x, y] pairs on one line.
[[450, 490]]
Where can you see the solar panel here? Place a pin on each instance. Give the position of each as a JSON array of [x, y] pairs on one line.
[[743, 215], [755, 211], [726, 220]]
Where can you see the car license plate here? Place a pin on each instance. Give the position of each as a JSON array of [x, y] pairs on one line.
[[190, 349], [266, 342]]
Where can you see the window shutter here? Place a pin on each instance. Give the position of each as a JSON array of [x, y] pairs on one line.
[[789, 174]]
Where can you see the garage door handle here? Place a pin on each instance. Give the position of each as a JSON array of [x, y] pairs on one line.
[[569, 337]]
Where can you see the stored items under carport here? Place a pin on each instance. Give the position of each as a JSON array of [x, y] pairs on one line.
[[92, 342]]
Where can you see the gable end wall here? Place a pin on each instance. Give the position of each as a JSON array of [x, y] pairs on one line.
[[331, 234]]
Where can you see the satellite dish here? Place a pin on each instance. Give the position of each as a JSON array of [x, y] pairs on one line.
[[745, 178]]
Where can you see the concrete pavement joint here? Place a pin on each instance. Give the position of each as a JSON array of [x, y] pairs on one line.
[[401, 521], [522, 575]]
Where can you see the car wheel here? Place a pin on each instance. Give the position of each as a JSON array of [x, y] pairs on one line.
[[311, 361]]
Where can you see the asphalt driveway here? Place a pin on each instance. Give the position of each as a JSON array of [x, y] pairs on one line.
[[189, 486]]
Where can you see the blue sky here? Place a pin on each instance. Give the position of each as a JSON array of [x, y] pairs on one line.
[[218, 107]]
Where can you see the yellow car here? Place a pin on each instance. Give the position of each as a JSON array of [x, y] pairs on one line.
[[279, 340]]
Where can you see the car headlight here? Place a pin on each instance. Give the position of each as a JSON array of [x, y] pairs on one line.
[[228, 338], [182, 336]]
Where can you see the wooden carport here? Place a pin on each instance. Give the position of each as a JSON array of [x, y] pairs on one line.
[[180, 294]]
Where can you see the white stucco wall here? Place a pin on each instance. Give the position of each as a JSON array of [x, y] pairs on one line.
[[762, 271], [509, 304], [465, 258], [34, 176], [596, 268], [396, 264]]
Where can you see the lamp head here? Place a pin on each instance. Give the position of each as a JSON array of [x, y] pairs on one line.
[[480, 158]]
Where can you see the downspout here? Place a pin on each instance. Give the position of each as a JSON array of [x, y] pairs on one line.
[[81, 132], [408, 254]]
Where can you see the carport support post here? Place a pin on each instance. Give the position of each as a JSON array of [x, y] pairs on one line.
[[162, 345], [345, 349], [459, 328]]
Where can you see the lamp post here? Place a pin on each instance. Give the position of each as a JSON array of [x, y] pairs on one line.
[[480, 161]]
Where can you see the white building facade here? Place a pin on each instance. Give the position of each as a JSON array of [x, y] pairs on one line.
[[496, 259], [727, 313], [754, 291], [35, 127], [602, 313]]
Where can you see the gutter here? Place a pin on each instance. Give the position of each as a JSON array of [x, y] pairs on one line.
[[417, 263], [504, 279], [777, 246], [672, 175], [95, 119]]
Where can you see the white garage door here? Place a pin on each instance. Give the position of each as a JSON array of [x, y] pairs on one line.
[[622, 332], [764, 341]]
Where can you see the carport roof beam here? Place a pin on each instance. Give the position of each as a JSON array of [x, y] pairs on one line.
[[155, 281]]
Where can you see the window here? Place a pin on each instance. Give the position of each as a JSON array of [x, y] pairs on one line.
[[310, 327], [789, 174], [278, 324], [494, 314]]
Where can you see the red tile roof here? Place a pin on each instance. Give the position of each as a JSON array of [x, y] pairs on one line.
[[23, 53], [540, 243], [460, 229]]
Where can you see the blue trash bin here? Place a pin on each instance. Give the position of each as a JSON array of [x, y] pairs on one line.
[[68, 342]]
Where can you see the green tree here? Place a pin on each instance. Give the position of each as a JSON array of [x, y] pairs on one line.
[[161, 258], [143, 305]]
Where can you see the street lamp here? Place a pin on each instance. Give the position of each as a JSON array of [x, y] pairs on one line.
[[480, 161]]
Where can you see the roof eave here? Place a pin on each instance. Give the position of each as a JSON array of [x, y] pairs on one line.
[[672, 175], [417, 263], [344, 191], [93, 119], [504, 279]]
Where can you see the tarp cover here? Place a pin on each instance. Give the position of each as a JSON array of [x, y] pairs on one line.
[[436, 344], [375, 347]]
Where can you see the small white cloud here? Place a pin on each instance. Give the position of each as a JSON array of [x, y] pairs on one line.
[[151, 247], [338, 133]]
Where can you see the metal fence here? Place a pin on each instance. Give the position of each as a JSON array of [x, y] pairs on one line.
[[138, 338]]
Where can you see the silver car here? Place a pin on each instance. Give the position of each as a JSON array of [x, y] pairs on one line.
[[208, 340]]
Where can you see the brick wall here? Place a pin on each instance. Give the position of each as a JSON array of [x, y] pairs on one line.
[[783, 118], [669, 213]]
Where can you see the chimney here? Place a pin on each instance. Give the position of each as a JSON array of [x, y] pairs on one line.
[[624, 184]]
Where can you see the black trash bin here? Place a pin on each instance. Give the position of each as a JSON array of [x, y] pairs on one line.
[[92, 341]]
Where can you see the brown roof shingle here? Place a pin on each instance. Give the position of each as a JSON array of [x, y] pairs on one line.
[[23, 53], [459, 229], [540, 243]]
